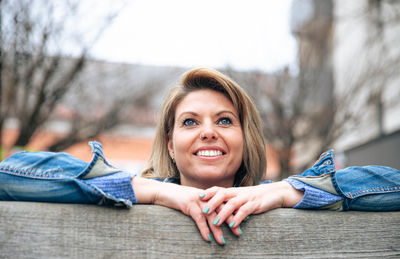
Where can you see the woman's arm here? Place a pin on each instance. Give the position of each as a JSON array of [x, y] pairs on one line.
[[372, 188]]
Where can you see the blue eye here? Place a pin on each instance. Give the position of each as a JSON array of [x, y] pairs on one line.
[[225, 121], [189, 122]]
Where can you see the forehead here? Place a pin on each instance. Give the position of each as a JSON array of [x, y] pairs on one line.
[[205, 99]]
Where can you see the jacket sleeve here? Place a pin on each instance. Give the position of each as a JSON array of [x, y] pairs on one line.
[[313, 198], [117, 185], [369, 188], [59, 177]]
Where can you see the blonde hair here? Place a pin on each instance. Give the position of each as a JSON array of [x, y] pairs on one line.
[[253, 166]]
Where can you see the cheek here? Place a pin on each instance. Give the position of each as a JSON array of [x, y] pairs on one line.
[[240, 149], [181, 144], [237, 141]]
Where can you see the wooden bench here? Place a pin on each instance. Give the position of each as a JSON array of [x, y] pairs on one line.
[[45, 230]]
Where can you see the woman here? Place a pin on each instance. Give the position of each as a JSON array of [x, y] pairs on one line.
[[209, 158]]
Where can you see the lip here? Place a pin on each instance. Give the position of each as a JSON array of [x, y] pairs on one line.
[[210, 148]]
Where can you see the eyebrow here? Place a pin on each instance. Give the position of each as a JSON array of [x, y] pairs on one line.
[[188, 112], [233, 114], [196, 114]]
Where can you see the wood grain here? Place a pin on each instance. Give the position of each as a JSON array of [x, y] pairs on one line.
[[45, 230]]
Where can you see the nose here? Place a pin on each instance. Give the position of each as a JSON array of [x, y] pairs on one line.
[[208, 133]]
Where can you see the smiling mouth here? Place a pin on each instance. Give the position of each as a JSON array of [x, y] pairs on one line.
[[209, 153]]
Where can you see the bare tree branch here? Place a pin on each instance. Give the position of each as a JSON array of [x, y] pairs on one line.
[[36, 72]]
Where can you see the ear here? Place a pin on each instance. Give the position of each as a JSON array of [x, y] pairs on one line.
[[171, 149]]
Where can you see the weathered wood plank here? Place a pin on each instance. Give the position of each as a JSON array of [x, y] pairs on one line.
[[43, 230]]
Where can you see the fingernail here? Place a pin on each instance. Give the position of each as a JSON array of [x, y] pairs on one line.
[[209, 237], [202, 195], [206, 210], [240, 231], [232, 224], [216, 220], [223, 240]]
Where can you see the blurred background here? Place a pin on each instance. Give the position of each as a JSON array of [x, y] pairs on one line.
[[325, 74]]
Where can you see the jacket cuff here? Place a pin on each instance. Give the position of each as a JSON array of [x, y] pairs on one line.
[[313, 198], [117, 185]]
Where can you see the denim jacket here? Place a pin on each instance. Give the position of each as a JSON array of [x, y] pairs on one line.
[[373, 187], [59, 177]]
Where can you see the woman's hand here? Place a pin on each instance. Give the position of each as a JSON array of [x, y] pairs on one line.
[[183, 198], [233, 205]]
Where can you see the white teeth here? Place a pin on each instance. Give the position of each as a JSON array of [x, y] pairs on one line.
[[209, 153]]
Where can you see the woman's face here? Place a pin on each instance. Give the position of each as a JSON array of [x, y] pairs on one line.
[[207, 140]]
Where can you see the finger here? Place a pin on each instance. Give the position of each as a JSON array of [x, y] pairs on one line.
[[228, 209], [219, 198], [216, 230], [201, 222], [242, 214], [235, 228], [208, 193]]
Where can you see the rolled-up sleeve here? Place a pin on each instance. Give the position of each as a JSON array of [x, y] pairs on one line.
[[313, 197], [117, 185]]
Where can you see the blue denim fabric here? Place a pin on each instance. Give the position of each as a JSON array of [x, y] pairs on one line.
[[59, 177], [370, 188], [313, 198]]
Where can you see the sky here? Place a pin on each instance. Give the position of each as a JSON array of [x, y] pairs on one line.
[[244, 34]]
